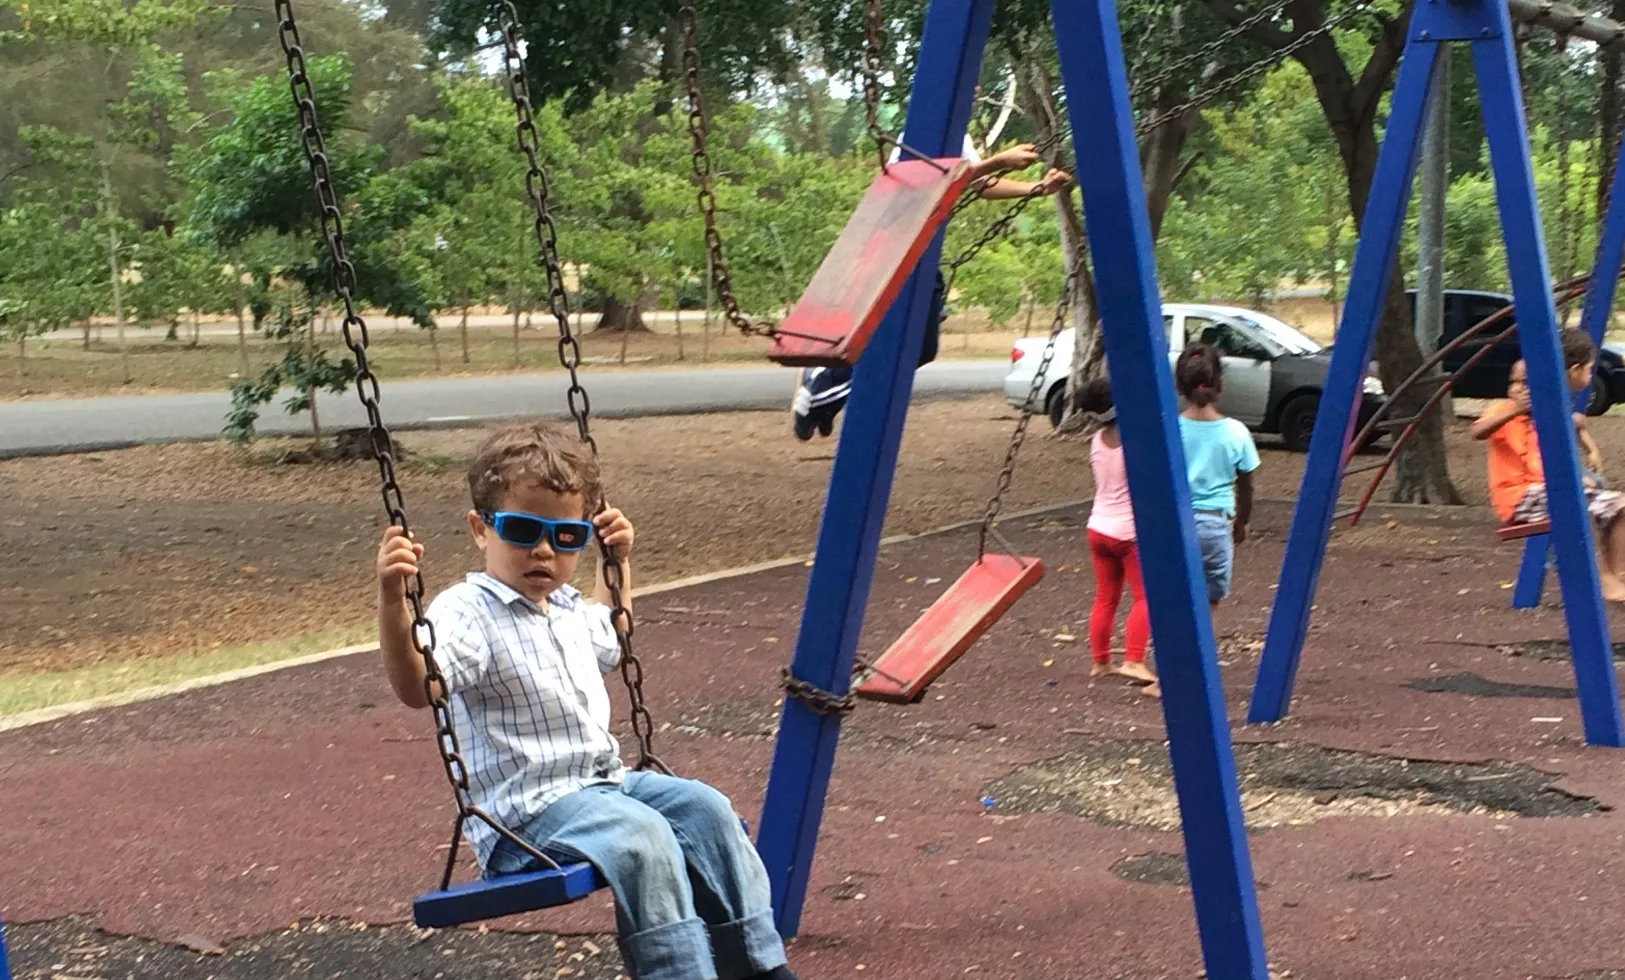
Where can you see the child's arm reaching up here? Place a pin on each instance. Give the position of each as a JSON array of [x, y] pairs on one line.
[[992, 187], [398, 557]]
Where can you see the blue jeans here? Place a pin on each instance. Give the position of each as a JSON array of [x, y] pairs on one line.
[[692, 899], [1218, 550]]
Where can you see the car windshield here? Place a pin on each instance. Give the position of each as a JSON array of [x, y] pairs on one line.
[[1276, 335]]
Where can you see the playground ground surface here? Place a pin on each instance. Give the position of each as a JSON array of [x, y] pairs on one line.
[[1429, 811]]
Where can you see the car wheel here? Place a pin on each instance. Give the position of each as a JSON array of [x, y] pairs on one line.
[[1055, 405], [1597, 400], [1298, 422]]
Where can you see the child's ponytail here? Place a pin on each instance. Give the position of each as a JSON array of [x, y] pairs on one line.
[[1199, 375]]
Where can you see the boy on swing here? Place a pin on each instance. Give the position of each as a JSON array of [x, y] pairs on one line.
[[1517, 480], [524, 657]]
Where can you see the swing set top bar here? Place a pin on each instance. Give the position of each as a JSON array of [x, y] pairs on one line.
[[1569, 21]]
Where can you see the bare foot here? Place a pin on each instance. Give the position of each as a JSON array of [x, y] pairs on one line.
[[1613, 593], [1137, 672], [1101, 670], [1152, 690]]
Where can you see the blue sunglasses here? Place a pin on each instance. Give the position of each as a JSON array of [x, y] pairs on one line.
[[528, 530]]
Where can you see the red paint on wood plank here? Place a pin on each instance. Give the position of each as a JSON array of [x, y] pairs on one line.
[[953, 623], [868, 264]]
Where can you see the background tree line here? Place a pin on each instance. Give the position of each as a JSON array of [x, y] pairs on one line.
[[150, 170]]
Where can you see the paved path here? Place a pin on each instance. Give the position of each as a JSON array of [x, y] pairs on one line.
[[78, 425]]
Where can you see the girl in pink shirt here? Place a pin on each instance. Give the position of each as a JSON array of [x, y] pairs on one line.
[[1111, 545]]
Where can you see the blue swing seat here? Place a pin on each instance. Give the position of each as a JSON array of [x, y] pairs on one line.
[[492, 898]]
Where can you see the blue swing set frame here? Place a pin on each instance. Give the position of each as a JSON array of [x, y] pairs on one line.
[[1109, 178], [1486, 28]]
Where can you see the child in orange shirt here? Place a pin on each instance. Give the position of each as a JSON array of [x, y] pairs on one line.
[[1517, 481]]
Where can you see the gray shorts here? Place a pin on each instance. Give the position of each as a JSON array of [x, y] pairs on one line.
[[1218, 550]]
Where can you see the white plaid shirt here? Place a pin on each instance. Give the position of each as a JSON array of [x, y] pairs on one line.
[[528, 700]]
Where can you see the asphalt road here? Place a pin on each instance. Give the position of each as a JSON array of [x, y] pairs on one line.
[[88, 424]]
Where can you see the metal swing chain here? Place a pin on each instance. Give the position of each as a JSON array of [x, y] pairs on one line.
[[874, 43], [990, 516], [1258, 67], [354, 330], [1207, 50], [536, 189], [700, 156]]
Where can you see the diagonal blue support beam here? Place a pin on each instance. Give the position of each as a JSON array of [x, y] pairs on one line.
[[1551, 403], [1323, 471], [1599, 300], [1486, 25], [1086, 34], [950, 60], [5, 971]]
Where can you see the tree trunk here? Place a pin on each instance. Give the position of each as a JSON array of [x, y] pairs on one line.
[[434, 344], [621, 316], [626, 335], [677, 316], [1610, 118], [197, 328], [242, 327], [310, 388], [87, 333], [22, 353], [110, 212], [516, 331], [1089, 353], [462, 328], [710, 299], [1350, 110]]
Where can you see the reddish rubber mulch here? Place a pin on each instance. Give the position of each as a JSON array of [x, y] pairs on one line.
[[235, 811]]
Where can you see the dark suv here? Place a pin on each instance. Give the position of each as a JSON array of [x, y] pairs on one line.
[[1488, 378]]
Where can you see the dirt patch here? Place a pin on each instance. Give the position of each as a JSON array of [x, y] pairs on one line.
[[1129, 784], [159, 550], [1558, 649], [72, 948], [1156, 868], [1474, 686]]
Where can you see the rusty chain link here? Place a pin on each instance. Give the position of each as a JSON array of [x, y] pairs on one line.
[[1207, 50], [1007, 473], [536, 189], [700, 156], [1258, 67], [874, 44], [354, 330], [817, 700]]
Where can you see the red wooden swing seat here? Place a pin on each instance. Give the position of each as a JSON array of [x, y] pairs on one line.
[[868, 264], [1512, 532], [953, 623]]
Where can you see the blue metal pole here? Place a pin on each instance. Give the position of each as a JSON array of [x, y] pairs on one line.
[[5, 971], [950, 59], [1531, 572], [1599, 301], [1501, 102], [1323, 471], [1090, 47]]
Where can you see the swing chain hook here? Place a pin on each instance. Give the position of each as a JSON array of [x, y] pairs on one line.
[[1063, 307], [700, 156], [537, 190], [354, 330], [874, 44]]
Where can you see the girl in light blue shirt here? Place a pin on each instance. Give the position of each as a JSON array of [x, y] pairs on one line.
[[1219, 462]]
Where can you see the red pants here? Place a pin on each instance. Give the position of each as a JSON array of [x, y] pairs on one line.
[[1115, 563]]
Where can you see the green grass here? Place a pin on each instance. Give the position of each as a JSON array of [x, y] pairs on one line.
[[31, 692]]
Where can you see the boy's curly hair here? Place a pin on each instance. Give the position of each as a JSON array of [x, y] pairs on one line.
[[1578, 350], [538, 452]]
